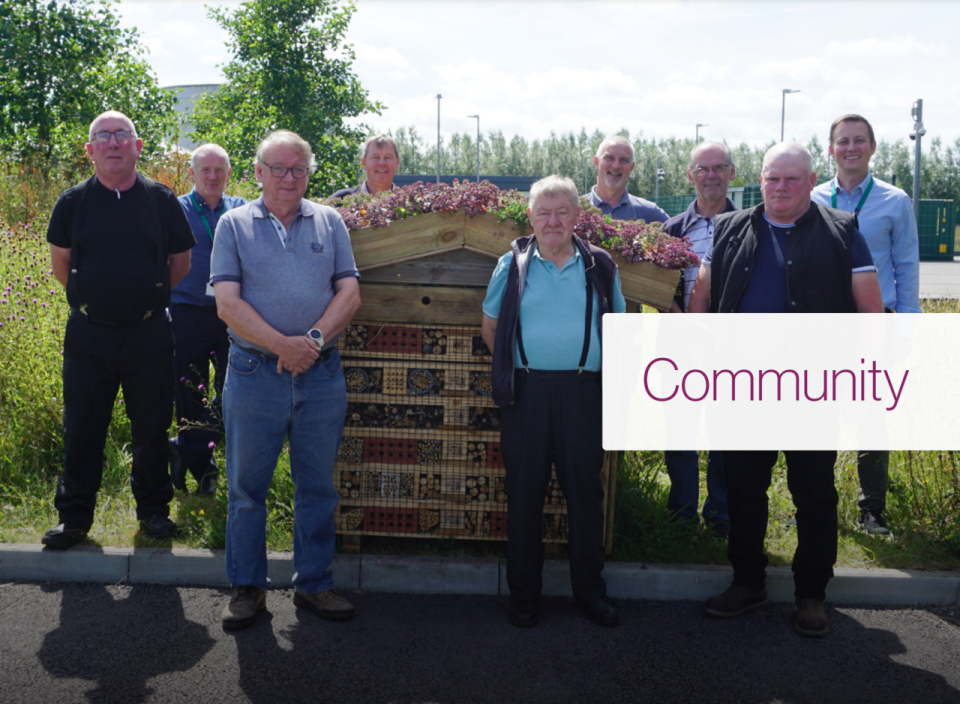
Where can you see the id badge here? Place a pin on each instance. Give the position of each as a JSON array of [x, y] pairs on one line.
[[209, 289]]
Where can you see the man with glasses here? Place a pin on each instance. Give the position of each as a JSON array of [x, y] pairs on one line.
[[118, 243], [380, 161], [886, 219], [286, 286], [615, 161], [710, 171], [200, 336]]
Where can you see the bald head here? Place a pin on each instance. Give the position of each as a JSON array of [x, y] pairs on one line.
[[792, 151], [110, 116]]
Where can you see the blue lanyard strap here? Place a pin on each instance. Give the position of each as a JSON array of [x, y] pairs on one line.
[[203, 218], [863, 198]]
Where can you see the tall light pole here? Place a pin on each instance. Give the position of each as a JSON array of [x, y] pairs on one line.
[[783, 109], [918, 131], [696, 139], [438, 138], [478, 145], [660, 174]]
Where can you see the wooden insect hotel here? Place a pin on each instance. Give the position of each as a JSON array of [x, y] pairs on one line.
[[420, 454]]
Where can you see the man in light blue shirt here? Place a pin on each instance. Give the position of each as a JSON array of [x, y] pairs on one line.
[[615, 161], [886, 219], [200, 337]]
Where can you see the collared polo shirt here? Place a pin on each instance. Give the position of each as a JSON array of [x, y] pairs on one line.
[[193, 288], [286, 275], [888, 224], [629, 208], [552, 312], [700, 234]]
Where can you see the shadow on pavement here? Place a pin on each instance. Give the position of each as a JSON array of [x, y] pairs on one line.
[[119, 644]]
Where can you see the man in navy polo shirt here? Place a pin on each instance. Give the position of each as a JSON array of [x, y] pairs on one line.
[[788, 255], [886, 219], [710, 171], [615, 161], [200, 337]]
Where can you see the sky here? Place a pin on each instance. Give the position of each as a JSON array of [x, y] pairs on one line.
[[532, 67]]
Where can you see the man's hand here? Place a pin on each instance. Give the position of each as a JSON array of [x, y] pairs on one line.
[[297, 353]]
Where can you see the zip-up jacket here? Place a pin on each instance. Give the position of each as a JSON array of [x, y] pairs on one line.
[[819, 257]]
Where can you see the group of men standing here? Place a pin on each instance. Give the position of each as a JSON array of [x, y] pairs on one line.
[[272, 284]]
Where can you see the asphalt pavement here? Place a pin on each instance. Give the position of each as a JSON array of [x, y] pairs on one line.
[[69, 642]]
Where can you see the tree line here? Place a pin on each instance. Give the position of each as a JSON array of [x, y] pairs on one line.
[[571, 155], [62, 62]]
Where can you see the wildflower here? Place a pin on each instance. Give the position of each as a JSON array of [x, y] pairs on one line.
[[200, 512], [211, 445]]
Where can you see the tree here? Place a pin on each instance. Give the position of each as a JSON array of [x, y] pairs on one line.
[[62, 62], [290, 70]]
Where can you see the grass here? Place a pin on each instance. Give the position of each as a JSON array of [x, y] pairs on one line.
[[923, 500]]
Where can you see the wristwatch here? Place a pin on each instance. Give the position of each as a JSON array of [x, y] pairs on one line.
[[317, 336]]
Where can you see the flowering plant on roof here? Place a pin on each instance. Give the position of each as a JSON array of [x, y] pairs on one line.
[[635, 241]]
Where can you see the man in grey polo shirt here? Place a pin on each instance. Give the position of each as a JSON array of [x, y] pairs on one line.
[[286, 285], [615, 161]]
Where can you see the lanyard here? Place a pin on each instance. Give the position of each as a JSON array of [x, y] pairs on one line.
[[863, 198], [203, 218]]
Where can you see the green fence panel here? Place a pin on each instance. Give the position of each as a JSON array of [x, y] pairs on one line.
[[674, 205], [937, 230]]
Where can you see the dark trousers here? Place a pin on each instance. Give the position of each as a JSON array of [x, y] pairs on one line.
[[97, 362], [199, 337], [811, 481], [873, 468], [555, 418], [683, 467]]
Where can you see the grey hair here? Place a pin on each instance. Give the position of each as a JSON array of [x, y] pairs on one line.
[[727, 154], [110, 113], [205, 149], [554, 186], [289, 139], [380, 140], [788, 149], [616, 139]]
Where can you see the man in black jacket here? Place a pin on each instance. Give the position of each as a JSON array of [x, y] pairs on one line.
[[786, 256], [541, 319]]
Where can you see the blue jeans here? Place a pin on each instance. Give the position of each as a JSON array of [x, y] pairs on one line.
[[684, 470], [262, 409]]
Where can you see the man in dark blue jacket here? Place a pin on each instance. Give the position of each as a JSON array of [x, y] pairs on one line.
[[710, 172]]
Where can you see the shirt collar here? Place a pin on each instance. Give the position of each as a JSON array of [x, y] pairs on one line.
[[576, 254], [260, 210], [201, 201], [856, 191], [598, 201]]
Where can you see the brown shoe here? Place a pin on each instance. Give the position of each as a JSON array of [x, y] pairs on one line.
[[735, 601], [327, 604], [811, 618], [244, 605]]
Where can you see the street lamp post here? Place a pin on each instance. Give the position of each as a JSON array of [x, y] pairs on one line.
[[478, 145], [696, 139], [438, 138], [660, 174], [783, 109], [918, 131]]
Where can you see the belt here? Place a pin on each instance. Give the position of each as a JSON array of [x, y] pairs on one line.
[[151, 316]]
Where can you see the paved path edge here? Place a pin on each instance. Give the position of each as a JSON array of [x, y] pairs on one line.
[[452, 575]]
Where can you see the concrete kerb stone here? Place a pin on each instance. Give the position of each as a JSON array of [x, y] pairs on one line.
[[435, 575], [84, 563], [430, 575]]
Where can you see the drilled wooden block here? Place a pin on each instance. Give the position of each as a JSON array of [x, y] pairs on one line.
[[390, 520], [390, 338], [498, 524], [390, 450]]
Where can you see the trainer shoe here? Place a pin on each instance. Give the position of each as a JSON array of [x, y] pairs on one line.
[[244, 605], [326, 604], [63, 537], [735, 602], [811, 618], [873, 522]]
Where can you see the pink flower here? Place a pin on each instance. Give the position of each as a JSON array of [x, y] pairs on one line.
[[211, 445]]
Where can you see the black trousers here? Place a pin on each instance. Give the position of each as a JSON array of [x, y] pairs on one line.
[[811, 481], [97, 362], [556, 417], [199, 337]]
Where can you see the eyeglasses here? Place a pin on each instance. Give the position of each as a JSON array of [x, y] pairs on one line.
[[718, 169], [123, 136], [278, 171]]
